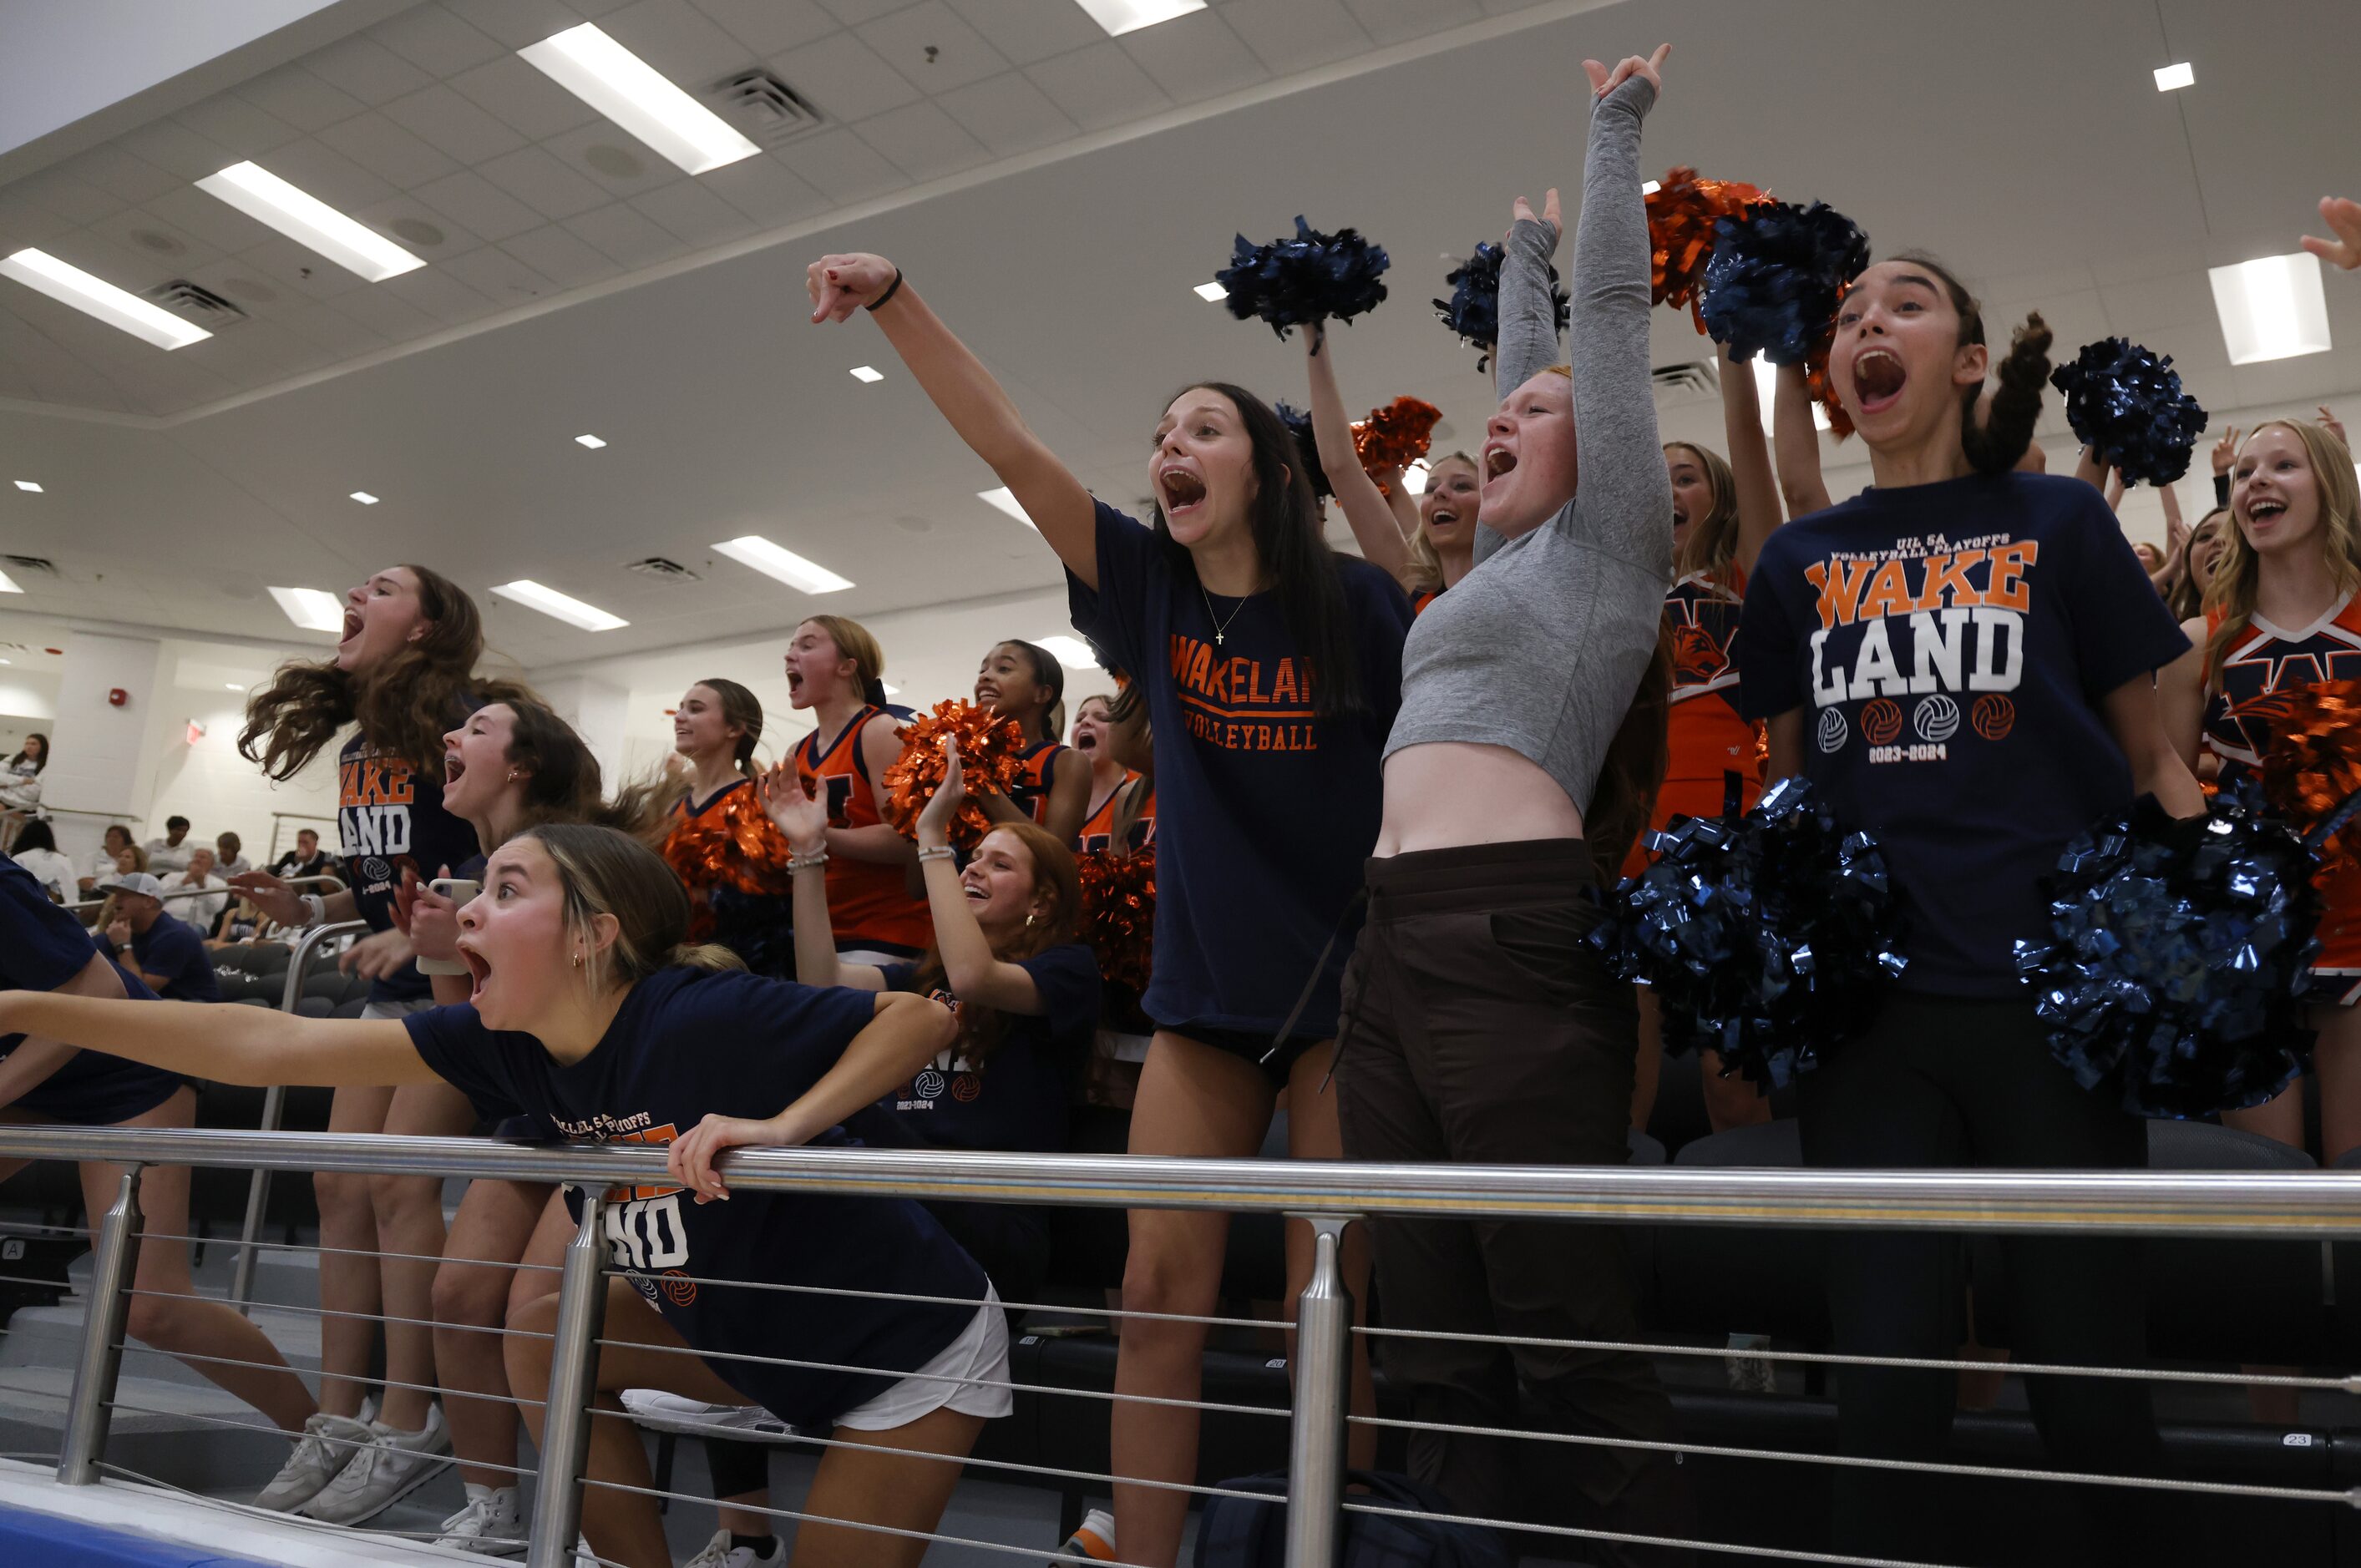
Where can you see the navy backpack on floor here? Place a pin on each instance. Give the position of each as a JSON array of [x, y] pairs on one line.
[[1241, 1532]]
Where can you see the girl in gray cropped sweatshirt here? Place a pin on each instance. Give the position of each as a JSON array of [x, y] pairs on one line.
[[1478, 1025]]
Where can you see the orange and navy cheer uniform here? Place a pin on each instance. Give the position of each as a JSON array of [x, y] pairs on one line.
[[868, 902], [733, 859], [1706, 737], [1035, 772], [1098, 834], [1421, 599], [2267, 659]]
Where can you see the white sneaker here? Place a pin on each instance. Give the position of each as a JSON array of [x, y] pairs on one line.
[[391, 1466], [488, 1524], [719, 1553], [661, 1411], [1094, 1542], [328, 1445]]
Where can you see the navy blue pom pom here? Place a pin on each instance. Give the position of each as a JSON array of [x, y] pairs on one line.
[[1299, 425], [1474, 309], [2126, 402], [1313, 277], [1777, 274], [1768, 936], [2178, 956]]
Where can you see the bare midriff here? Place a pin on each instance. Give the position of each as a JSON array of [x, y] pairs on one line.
[[1445, 794]]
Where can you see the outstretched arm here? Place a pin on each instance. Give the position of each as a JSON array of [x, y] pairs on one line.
[[1795, 439], [966, 394], [803, 820], [1750, 460], [1375, 528], [253, 1045], [34, 1059], [972, 972]]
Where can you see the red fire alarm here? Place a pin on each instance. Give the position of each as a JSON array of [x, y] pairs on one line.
[[117, 697]]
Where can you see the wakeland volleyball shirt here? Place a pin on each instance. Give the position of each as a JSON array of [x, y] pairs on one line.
[[1950, 645], [389, 815], [686, 1043], [42, 948], [1264, 815]]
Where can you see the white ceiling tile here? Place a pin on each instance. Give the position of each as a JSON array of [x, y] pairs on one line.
[[23, 224], [842, 165], [630, 237], [621, 163], [1030, 31], [562, 257], [281, 261], [1295, 35], [300, 98], [440, 296], [212, 220], [923, 141], [766, 190], [766, 27], [1007, 114], [399, 220], [524, 98], [679, 41], [452, 125], [1099, 86], [366, 68], [436, 40], [694, 215], [516, 23], [326, 327], [57, 192], [500, 277], [2154, 303], [141, 233], [1195, 57], [389, 315], [119, 174], [176, 150], [535, 176], [844, 77], [240, 128], [961, 54], [853, 13], [476, 204], [1392, 21], [323, 172], [387, 150]]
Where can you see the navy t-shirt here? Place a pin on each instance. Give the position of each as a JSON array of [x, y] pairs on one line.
[[1950, 644], [389, 815], [42, 948], [685, 1044], [1020, 1100], [1265, 815], [172, 949]]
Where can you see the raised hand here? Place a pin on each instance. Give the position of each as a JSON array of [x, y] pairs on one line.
[[790, 806], [118, 934], [377, 955], [2342, 216], [428, 919], [1523, 213], [272, 897], [690, 1159], [2332, 424], [935, 821], [841, 285], [2225, 451], [1603, 81]]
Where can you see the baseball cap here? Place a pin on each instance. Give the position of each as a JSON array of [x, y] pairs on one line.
[[133, 882]]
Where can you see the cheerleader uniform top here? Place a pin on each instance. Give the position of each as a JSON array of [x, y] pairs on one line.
[[869, 903], [2265, 660], [1707, 739], [686, 1043], [733, 859], [1950, 644], [42, 948], [1097, 836], [1035, 772], [390, 816]]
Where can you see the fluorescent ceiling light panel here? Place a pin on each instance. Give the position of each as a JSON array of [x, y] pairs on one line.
[[592, 442], [119, 308], [774, 561], [637, 97], [1766, 392], [1121, 16], [2271, 308], [560, 607], [1212, 293], [314, 609], [1071, 652], [309, 221], [1414, 477], [2172, 78], [1650, 187], [1005, 499], [867, 373], [365, 498], [8, 585], [29, 484], [232, 686]]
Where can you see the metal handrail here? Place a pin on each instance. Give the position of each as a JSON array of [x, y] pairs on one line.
[[333, 885], [2311, 1204]]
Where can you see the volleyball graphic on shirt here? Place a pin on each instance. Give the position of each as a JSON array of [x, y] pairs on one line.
[[1936, 718]]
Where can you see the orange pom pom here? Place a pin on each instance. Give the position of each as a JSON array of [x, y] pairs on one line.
[[1119, 914], [1682, 212], [2311, 762], [1395, 436], [989, 746]]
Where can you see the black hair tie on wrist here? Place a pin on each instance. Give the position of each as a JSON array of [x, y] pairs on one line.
[[891, 290]]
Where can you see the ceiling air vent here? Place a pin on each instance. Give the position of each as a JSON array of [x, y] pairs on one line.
[[34, 563], [1677, 384], [670, 571], [765, 107], [200, 305]]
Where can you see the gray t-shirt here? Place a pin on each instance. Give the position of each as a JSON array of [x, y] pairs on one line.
[[1541, 647]]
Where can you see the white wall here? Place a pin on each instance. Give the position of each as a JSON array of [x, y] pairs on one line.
[[218, 790]]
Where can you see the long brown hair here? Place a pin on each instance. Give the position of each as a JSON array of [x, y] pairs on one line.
[[1994, 443], [602, 871], [858, 643], [982, 1029], [1711, 544], [405, 705], [1422, 573], [2186, 599], [2238, 574], [1633, 771]]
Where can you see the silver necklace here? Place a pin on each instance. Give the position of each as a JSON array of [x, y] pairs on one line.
[[1220, 626]]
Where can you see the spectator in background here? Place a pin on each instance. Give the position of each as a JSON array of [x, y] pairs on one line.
[[306, 858], [37, 851], [2151, 559], [20, 786], [171, 852], [102, 862], [159, 946], [200, 913], [227, 860]]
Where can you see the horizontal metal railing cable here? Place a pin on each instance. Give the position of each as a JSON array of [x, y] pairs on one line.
[[1621, 1538], [431, 1390], [1087, 1312], [231, 1243], [261, 1427], [273, 1515], [311, 1311]]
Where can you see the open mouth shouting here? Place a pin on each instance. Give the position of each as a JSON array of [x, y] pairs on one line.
[[453, 764], [1878, 377], [1181, 491], [1498, 460], [480, 970], [2264, 510]]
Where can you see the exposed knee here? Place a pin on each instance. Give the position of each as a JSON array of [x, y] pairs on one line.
[[472, 1294], [395, 1199], [341, 1197], [1157, 1281], [157, 1320], [525, 1348]]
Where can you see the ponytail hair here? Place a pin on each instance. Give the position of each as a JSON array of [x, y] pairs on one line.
[[1995, 442], [602, 871], [1050, 674], [744, 710], [1633, 771], [858, 643]]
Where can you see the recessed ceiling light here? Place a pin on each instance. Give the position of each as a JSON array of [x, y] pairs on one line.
[[592, 442], [1005, 499], [309, 221], [2172, 78], [867, 373], [1210, 292], [2271, 308], [560, 607], [1650, 187], [637, 97], [1121, 16], [891, 689], [8, 585], [775, 561], [232, 686], [1766, 393], [29, 484], [314, 609], [119, 308], [1071, 652], [365, 498], [1414, 477]]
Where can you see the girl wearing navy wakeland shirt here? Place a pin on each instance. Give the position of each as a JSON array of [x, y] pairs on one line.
[[591, 1016], [1961, 660], [1271, 668]]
